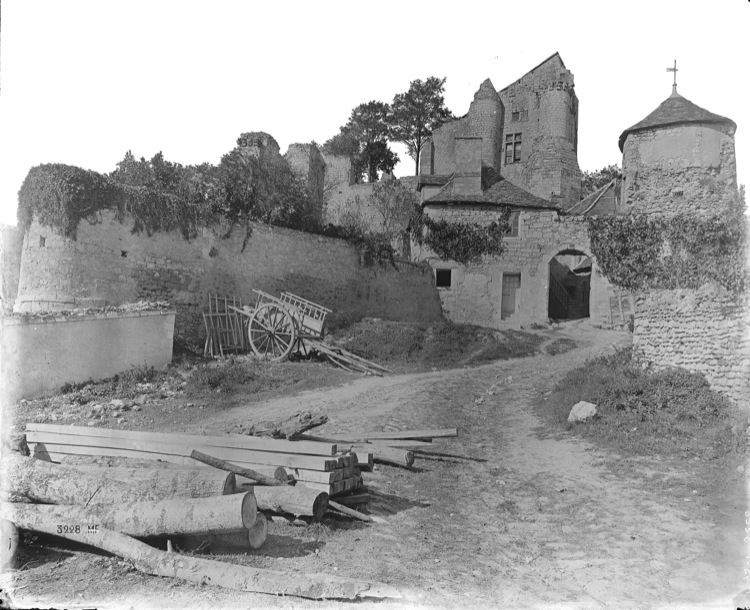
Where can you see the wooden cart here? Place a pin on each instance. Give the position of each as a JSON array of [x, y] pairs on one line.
[[278, 326]]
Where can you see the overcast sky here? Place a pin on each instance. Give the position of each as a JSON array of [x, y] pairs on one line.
[[84, 81]]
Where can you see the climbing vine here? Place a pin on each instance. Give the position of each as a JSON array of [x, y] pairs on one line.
[[641, 252], [462, 242], [61, 196]]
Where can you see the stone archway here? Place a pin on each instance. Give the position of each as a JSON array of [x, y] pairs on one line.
[[569, 284]]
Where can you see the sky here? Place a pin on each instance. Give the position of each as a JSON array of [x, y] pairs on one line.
[[84, 81]]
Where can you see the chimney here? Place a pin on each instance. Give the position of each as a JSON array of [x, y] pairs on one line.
[[468, 177]]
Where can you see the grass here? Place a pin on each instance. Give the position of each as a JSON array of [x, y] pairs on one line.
[[443, 345], [671, 413]]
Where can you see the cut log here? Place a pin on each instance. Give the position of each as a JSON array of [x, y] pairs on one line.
[[163, 517], [290, 427], [39, 481], [9, 540], [229, 467], [197, 569], [296, 500], [47, 433]]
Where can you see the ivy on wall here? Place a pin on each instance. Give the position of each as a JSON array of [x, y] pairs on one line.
[[462, 242], [60, 196], [641, 252]]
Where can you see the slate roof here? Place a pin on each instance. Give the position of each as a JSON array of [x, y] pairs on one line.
[[500, 192], [675, 109]]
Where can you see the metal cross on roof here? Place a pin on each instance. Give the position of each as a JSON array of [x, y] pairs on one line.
[[674, 86]]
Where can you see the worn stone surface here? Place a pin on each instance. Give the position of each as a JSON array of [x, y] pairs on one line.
[[108, 264], [475, 294], [11, 242], [582, 411], [704, 331]]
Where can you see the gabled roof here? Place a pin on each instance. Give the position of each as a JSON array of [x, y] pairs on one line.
[[501, 192], [675, 109]]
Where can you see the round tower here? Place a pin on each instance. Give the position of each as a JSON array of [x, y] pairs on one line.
[[680, 159], [486, 122]]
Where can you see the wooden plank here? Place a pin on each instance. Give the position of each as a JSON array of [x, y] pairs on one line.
[[364, 460], [315, 476], [410, 434], [160, 451], [355, 438], [239, 441]]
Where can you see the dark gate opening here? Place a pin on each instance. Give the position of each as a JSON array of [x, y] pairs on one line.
[[569, 285]]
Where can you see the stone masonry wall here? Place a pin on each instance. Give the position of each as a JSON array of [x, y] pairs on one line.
[[543, 108], [108, 264], [11, 242], [703, 331], [683, 169], [475, 294]]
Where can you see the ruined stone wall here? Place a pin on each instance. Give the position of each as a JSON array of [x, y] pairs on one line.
[[11, 243], [308, 163], [475, 294], [704, 331], [543, 108], [682, 169], [108, 264]]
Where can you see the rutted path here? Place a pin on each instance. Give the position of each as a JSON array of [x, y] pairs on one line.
[[543, 521]]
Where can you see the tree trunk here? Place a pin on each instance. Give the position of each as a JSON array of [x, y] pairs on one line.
[[162, 517], [228, 543], [199, 570], [39, 481], [229, 467], [297, 500]]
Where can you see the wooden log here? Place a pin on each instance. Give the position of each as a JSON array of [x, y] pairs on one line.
[[245, 472], [349, 511], [296, 500], [411, 434], [382, 452], [236, 441], [164, 517], [197, 569], [290, 427], [9, 541], [41, 481]]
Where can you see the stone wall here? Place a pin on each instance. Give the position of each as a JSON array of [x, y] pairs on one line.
[[703, 331], [108, 264], [11, 243], [542, 107], [475, 294], [307, 161], [682, 169]]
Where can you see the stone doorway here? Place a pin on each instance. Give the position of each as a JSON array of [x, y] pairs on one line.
[[569, 285]]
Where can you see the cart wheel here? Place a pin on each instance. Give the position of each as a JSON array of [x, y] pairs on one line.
[[271, 332]]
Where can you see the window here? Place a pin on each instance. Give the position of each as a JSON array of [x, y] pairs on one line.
[[514, 218], [443, 278], [514, 116], [512, 148]]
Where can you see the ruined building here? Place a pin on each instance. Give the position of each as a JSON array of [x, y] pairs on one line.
[[516, 148]]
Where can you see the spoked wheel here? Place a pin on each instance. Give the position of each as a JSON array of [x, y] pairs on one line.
[[272, 332]]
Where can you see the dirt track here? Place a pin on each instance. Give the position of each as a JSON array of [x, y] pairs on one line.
[[546, 520]]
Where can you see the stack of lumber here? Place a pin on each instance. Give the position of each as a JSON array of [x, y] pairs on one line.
[[316, 465], [114, 514]]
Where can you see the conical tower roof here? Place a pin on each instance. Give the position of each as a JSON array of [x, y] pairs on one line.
[[675, 109]]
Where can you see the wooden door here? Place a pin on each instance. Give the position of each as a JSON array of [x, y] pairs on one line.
[[511, 285]]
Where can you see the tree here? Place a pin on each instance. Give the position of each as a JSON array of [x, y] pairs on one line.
[[395, 203], [364, 139], [592, 181], [416, 113]]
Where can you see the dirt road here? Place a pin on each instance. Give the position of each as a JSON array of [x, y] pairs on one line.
[[543, 520]]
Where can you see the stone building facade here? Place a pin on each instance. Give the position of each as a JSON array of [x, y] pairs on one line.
[[516, 149], [529, 133], [680, 160]]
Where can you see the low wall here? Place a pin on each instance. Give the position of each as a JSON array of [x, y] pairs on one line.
[[42, 353], [108, 264], [11, 242], [703, 331]]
